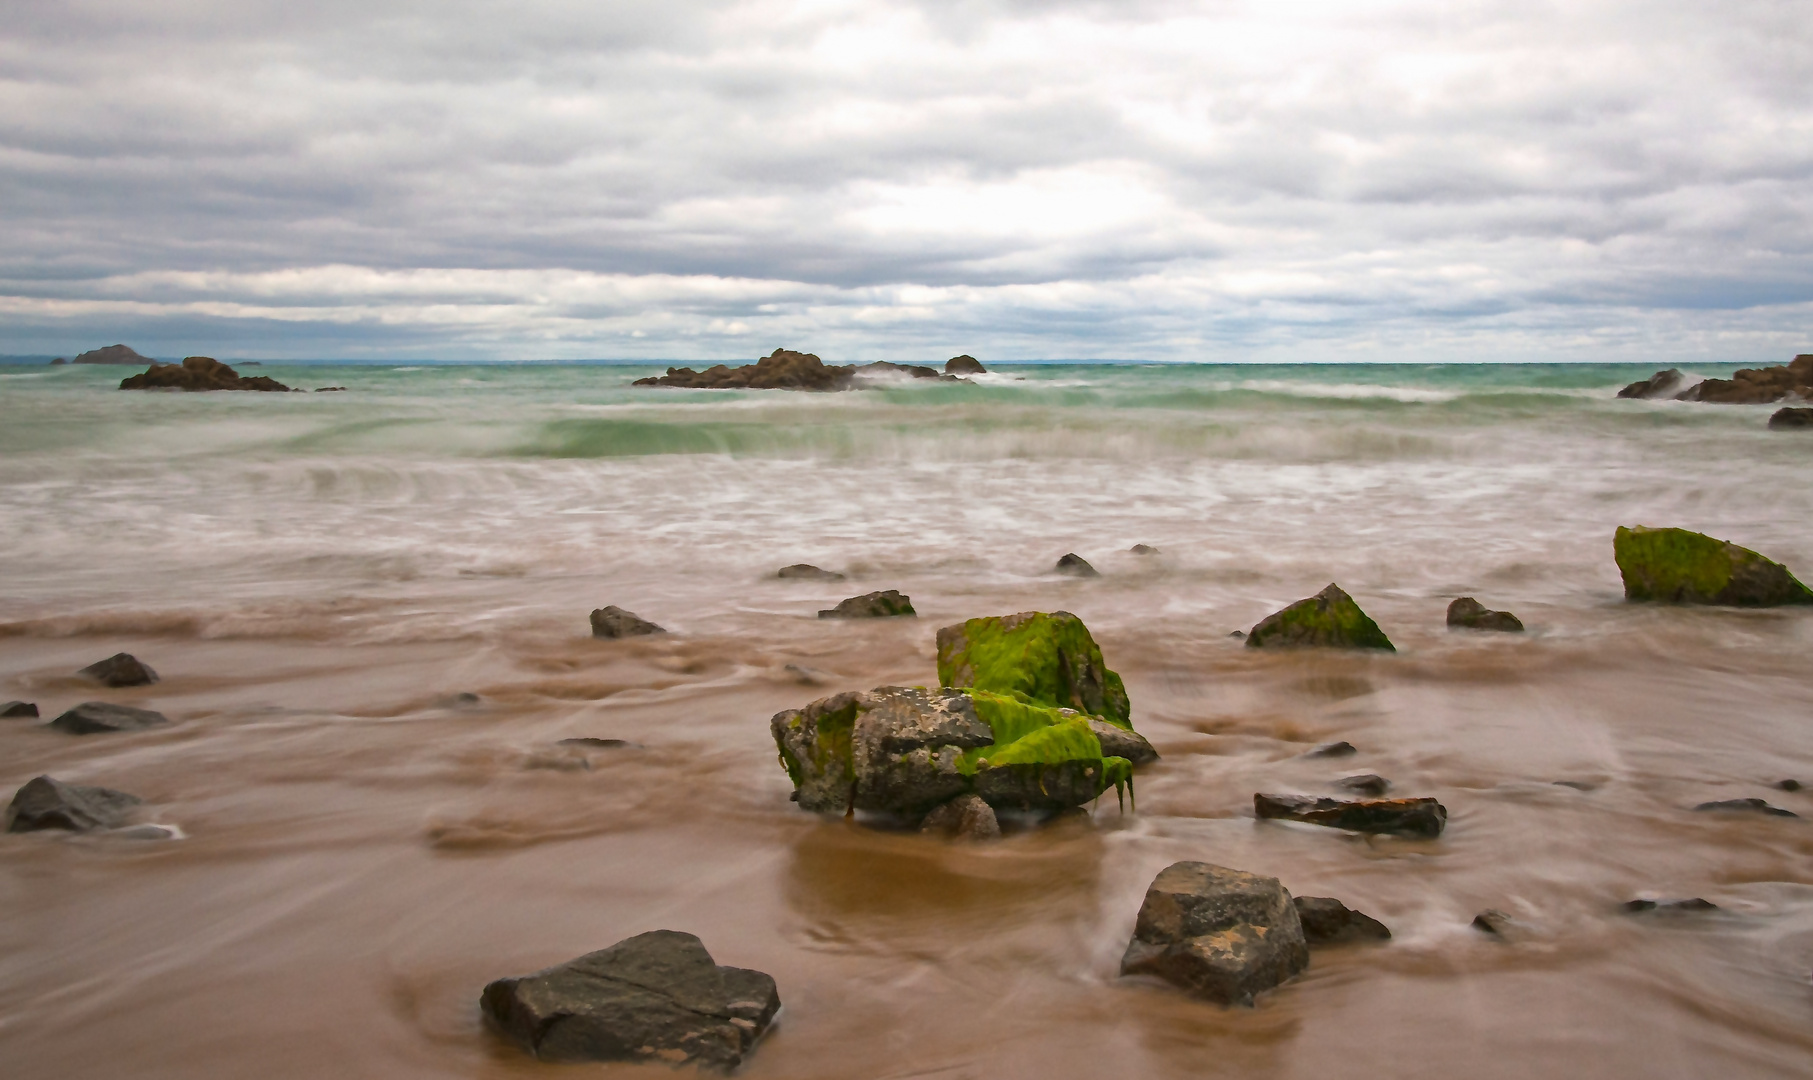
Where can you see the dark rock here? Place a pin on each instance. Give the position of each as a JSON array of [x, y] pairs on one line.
[[1669, 907], [1757, 386], [1470, 614], [1414, 817], [964, 365], [465, 699], [1075, 565], [1493, 921], [329, 389], [1327, 921], [598, 744], [112, 354], [1329, 618], [1751, 806], [1049, 658], [655, 997], [18, 708], [1577, 785], [1682, 567], [782, 370], [807, 572], [612, 621], [1365, 784], [884, 369], [1122, 742], [197, 373], [45, 803], [1333, 749], [1784, 785], [966, 817], [59, 362], [876, 605], [1788, 419], [1663, 384], [1220, 934], [1240, 634], [120, 669], [1143, 549], [100, 717]]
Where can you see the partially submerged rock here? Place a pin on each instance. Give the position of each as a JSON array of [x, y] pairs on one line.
[[612, 621], [1143, 549], [783, 369], [1122, 742], [1365, 784], [120, 669], [1046, 658], [18, 708], [886, 604], [1668, 907], [966, 817], [1333, 749], [1663, 384], [807, 572], [1791, 419], [1327, 921], [1329, 618], [588, 742], [905, 750], [1682, 567], [1470, 614], [111, 354], [100, 717], [48, 803], [197, 373], [1757, 386], [964, 365], [1495, 922], [1746, 806], [1076, 566], [655, 997], [1223, 935], [1412, 817]]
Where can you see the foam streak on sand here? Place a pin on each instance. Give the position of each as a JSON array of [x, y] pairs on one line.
[[316, 578]]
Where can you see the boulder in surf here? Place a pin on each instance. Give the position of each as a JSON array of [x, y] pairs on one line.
[[120, 669], [886, 604], [48, 803], [657, 997], [198, 373], [1663, 384], [1046, 658], [1329, 619], [1469, 614], [807, 572], [101, 717], [1757, 386], [1682, 567], [1327, 921], [1222, 935], [964, 365], [1075, 566], [612, 621], [1791, 420], [966, 817], [1411, 817], [18, 708]]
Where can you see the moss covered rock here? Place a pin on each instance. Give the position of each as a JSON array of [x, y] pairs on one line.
[[1682, 567], [1328, 618], [906, 750], [1042, 658]]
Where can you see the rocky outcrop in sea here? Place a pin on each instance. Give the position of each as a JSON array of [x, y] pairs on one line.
[[785, 369], [198, 373]]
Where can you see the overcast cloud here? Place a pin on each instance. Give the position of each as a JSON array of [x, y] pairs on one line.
[[869, 179]]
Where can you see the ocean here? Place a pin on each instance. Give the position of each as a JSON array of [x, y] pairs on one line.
[[318, 578]]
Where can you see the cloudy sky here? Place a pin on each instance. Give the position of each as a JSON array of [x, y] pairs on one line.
[[695, 179]]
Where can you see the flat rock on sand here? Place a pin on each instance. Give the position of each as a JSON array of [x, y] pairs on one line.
[[120, 669], [1223, 935], [886, 604], [101, 717], [655, 997], [48, 803]]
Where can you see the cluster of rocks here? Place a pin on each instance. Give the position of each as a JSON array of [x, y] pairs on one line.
[[1747, 386], [785, 369], [197, 373]]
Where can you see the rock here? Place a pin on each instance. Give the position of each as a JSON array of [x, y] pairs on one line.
[[46, 803], [120, 669], [1329, 618], [1787, 419], [655, 997], [60, 361], [1122, 742], [905, 750], [1493, 921], [1663, 384], [885, 604], [807, 572], [1327, 921], [965, 817], [1784, 785], [1143, 549], [1365, 784], [1682, 567], [197, 373], [18, 708], [112, 354], [1333, 749], [781, 370], [1668, 907], [100, 717], [1749, 806], [1240, 634], [1049, 659], [1076, 566], [612, 621], [964, 365], [1414, 817], [1757, 386], [329, 389], [591, 743], [1577, 785], [1470, 614], [1220, 934]]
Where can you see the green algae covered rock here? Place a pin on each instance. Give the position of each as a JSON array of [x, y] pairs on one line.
[[906, 750], [1041, 658], [1328, 618], [1682, 567]]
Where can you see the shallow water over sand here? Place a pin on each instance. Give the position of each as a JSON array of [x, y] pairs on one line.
[[317, 577]]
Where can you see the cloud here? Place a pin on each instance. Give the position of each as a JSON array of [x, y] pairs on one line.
[[868, 178]]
